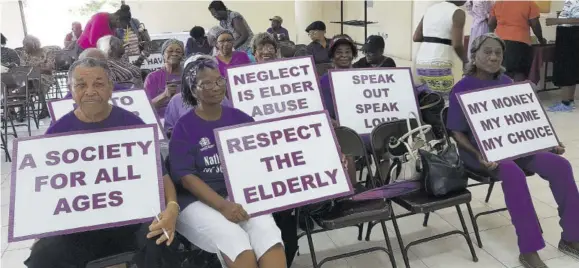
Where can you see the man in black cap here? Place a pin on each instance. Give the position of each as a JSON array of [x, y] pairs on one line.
[[320, 44], [374, 51]]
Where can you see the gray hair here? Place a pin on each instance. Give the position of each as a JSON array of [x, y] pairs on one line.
[[92, 52], [170, 42], [477, 43], [90, 63], [214, 33], [261, 39], [110, 45]]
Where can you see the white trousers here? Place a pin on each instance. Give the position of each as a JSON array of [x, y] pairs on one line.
[[206, 228]]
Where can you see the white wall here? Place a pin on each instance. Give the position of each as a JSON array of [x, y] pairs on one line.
[[11, 23]]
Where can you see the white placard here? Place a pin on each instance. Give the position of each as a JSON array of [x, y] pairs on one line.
[[508, 122], [135, 101], [365, 98], [276, 165], [275, 89], [79, 182], [154, 62]]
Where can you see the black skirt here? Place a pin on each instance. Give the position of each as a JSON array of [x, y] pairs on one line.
[[518, 57], [566, 65]]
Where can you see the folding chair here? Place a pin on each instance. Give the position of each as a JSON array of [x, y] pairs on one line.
[[420, 201], [123, 258], [482, 178], [359, 212]]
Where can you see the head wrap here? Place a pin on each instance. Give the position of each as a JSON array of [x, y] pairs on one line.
[[214, 33], [171, 42]]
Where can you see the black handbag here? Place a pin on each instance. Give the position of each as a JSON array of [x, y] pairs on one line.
[[443, 173], [431, 105]]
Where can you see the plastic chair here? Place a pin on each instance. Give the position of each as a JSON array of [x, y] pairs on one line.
[[356, 213], [420, 201]]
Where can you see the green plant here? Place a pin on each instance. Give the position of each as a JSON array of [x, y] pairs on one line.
[[93, 6]]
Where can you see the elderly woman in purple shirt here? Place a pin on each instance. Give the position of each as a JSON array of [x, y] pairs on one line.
[[208, 219], [177, 107], [480, 11], [484, 70], [161, 85], [223, 41]]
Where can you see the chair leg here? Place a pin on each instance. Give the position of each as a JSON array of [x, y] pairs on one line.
[[388, 244], [309, 229], [361, 230], [399, 238], [13, 127], [489, 192], [466, 234], [5, 147], [426, 217], [26, 112], [474, 225], [369, 231]]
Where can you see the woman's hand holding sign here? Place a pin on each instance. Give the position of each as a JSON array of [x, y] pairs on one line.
[[166, 222], [488, 165], [559, 149], [233, 212]]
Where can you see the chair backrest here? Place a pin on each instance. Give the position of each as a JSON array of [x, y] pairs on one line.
[[301, 50], [350, 142], [25, 72], [287, 50], [63, 59], [11, 82]]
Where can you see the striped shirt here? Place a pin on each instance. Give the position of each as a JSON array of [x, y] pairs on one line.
[[228, 24], [132, 41], [125, 72]]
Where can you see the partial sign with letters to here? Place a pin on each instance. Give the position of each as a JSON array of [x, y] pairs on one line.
[[275, 89], [365, 98], [135, 101], [275, 165], [508, 122], [83, 181]]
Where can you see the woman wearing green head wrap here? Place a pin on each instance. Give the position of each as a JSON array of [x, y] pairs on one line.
[[162, 84]]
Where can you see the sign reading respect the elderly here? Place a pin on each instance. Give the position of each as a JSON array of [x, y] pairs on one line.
[[275, 165], [275, 89], [508, 122], [135, 101], [365, 98], [78, 182]]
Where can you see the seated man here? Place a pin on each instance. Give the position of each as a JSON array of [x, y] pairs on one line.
[[374, 51], [90, 80]]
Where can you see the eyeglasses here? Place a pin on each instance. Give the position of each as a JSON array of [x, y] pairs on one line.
[[266, 48], [225, 41], [207, 85]]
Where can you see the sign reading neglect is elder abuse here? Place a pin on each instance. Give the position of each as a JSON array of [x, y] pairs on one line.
[[135, 101], [79, 182], [365, 98], [275, 89], [508, 122], [275, 165]]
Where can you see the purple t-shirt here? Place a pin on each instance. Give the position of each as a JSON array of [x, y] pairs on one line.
[[177, 108], [116, 87], [456, 121], [155, 84], [237, 58], [118, 117], [192, 151]]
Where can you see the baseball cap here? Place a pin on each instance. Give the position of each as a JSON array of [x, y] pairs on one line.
[[316, 25], [276, 18], [374, 43]]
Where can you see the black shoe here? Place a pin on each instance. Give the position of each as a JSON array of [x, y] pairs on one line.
[[532, 260], [569, 248], [43, 114]]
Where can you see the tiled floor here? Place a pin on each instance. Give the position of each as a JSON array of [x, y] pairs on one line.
[[498, 235]]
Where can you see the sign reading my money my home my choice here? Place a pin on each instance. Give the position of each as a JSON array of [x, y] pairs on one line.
[[365, 98], [508, 122], [135, 101], [279, 164], [76, 182], [275, 89]]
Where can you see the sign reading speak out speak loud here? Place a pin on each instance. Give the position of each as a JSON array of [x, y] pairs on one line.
[[508, 122], [279, 164], [275, 89], [365, 98], [83, 181], [135, 101]]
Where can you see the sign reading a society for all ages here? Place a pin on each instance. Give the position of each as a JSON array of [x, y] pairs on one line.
[[275, 89], [135, 101], [508, 122], [275, 165], [80, 182], [365, 98]]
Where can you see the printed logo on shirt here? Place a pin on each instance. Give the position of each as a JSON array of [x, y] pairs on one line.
[[212, 164], [205, 144]]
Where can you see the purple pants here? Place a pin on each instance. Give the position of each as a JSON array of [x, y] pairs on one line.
[[557, 171]]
